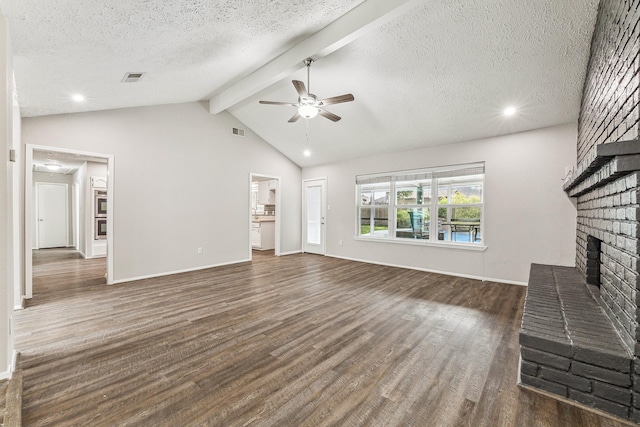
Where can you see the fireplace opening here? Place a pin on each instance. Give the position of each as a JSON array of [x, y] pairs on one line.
[[593, 261]]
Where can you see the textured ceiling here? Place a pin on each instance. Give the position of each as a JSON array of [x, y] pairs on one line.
[[440, 73], [189, 49], [69, 162]]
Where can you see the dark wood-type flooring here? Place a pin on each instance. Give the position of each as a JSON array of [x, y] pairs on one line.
[[300, 340]]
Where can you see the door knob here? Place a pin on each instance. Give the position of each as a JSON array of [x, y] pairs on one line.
[[40, 219]]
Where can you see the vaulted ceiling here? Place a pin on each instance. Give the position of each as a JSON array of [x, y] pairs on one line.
[[423, 72]]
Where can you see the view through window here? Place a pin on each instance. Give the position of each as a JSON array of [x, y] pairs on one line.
[[401, 205]]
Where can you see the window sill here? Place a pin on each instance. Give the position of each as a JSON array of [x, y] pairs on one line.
[[417, 242]]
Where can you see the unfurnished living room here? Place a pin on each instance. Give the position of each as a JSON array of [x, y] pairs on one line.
[[320, 213]]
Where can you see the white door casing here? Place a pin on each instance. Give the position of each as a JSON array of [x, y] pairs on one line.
[[30, 211], [52, 217], [314, 216]]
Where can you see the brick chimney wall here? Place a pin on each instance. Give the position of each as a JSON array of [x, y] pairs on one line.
[[610, 113]]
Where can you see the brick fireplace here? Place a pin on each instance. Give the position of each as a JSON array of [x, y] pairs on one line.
[[580, 337]]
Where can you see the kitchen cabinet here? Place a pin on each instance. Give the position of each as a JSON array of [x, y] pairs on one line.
[[267, 192], [263, 235]]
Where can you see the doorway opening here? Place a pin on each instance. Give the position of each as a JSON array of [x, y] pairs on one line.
[[264, 215], [61, 206]]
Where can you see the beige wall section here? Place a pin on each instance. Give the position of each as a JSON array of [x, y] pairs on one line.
[[7, 189], [181, 182], [80, 180], [528, 218]]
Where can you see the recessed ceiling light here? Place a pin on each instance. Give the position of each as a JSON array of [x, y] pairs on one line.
[[53, 166], [78, 98], [306, 153], [509, 111]]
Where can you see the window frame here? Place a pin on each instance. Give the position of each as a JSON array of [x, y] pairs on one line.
[[438, 177]]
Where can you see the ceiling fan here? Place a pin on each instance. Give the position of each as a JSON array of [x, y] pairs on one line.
[[308, 104]]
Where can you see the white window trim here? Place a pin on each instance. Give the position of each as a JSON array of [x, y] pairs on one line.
[[432, 207], [418, 242]]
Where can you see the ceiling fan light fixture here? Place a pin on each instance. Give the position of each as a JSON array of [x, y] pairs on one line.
[[308, 104], [308, 111]]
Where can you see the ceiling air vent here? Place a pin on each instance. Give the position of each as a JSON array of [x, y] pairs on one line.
[[239, 132], [132, 77]]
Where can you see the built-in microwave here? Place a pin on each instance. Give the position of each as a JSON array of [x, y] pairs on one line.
[[100, 229], [100, 203]]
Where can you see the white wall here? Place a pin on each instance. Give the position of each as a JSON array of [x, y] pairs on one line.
[[528, 218], [17, 201], [80, 180], [55, 178], [7, 191], [181, 182]]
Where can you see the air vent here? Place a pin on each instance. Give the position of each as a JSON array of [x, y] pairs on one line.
[[132, 77], [239, 132]]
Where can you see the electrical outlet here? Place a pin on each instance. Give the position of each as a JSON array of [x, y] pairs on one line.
[[200, 251], [340, 242]]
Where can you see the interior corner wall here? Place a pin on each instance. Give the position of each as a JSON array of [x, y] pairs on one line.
[[80, 180], [181, 181], [527, 216]]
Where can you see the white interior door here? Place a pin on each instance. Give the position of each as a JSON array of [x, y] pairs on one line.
[[314, 216], [52, 217]]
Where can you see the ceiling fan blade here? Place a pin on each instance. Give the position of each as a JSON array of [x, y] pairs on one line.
[[276, 103], [295, 118], [336, 99], [300, 88], [328, 115]]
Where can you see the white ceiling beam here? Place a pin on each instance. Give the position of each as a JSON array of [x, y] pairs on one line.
[[363, 18]]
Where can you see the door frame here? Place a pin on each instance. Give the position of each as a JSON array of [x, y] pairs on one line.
[[278, 211], [30, 213], [37, 211], [324, 214]]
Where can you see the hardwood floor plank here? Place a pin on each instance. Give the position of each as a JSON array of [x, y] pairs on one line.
[[282, 341]]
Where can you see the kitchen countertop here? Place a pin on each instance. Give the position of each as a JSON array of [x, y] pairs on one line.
[[263, 219]]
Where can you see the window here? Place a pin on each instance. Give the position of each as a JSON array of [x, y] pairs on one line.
[[374, 210], [436, 205]]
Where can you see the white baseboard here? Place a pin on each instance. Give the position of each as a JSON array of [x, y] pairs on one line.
[[169, 273], [82, 254], [519, 379], [23, 302], [428, 270], [11, 368], [290, 253], [14, 361]]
